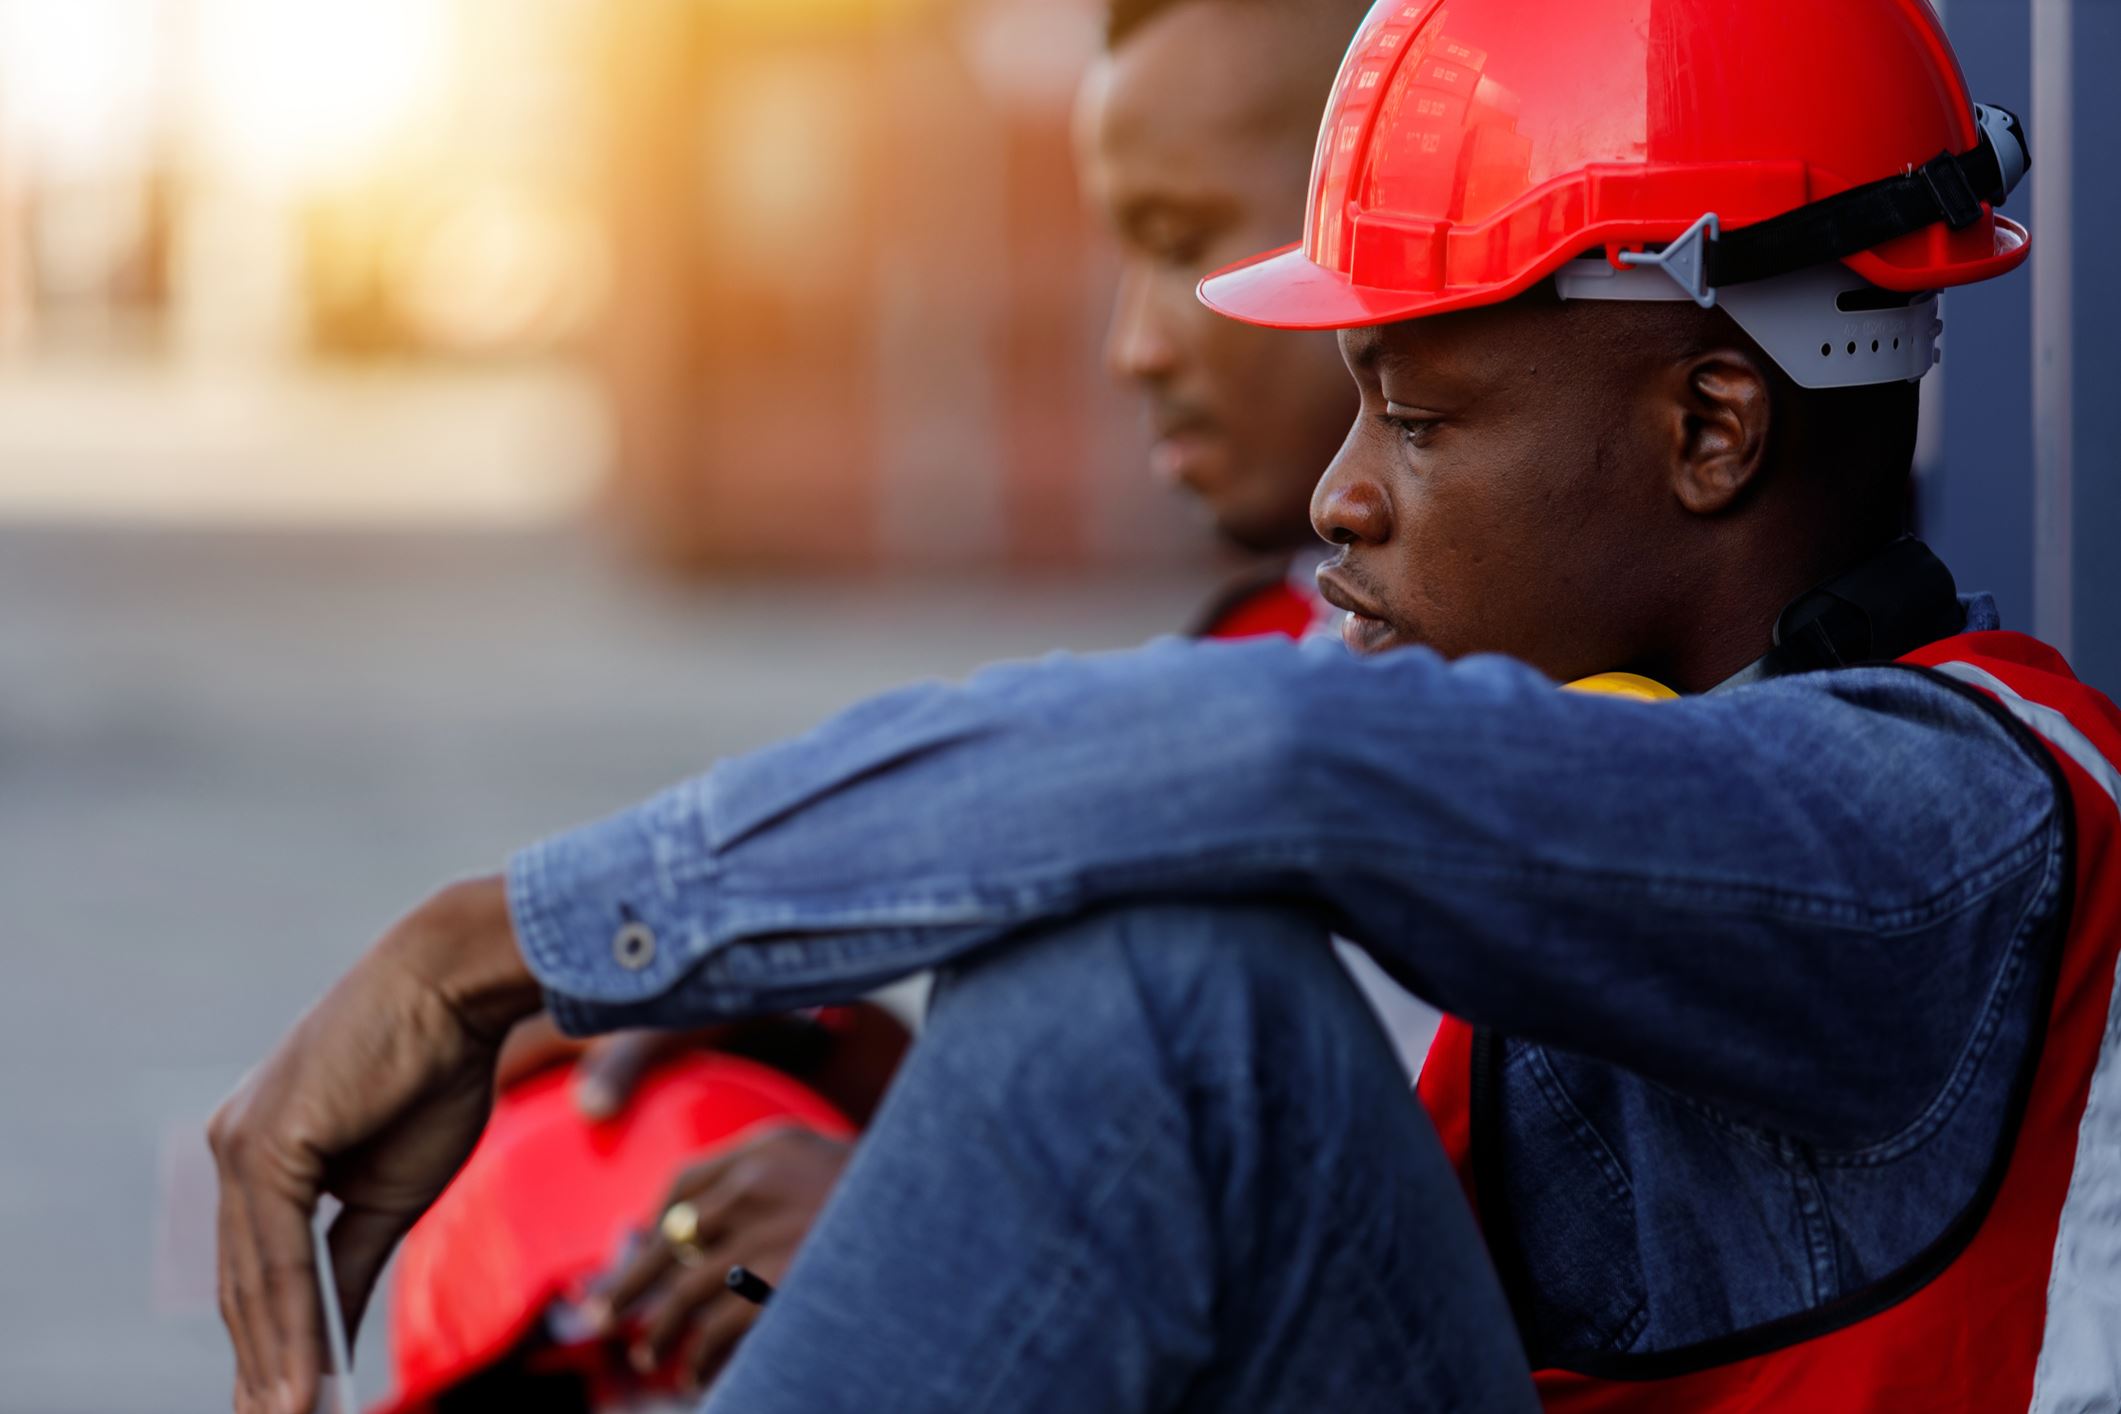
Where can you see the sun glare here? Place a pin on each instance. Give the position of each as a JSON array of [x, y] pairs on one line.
[[77, 78], [297, 88]]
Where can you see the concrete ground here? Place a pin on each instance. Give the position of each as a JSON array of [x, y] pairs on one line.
[[226, 760]]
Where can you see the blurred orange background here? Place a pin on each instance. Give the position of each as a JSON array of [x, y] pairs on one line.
[[781, 282], [398, 400]]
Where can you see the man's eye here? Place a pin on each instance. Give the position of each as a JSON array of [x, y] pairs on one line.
[[1169, 242], [1413, 431], [1183, 251]]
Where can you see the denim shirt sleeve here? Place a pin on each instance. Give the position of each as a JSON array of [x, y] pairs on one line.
[[1737, 894]]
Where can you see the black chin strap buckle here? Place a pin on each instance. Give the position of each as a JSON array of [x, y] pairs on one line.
[[1949, 184]]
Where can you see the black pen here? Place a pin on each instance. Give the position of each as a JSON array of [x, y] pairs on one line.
[[749, 1285]]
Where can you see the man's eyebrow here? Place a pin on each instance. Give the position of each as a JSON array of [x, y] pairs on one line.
[[1137, 210], [1362, 348]]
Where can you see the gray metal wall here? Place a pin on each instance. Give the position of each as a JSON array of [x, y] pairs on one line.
[[2021, 487]]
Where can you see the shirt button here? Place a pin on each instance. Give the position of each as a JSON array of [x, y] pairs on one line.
[[633, 946]]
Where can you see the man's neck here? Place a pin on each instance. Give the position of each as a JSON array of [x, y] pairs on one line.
[[1730, 623]]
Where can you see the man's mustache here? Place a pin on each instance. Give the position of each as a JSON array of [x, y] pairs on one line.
[[1170, 416]]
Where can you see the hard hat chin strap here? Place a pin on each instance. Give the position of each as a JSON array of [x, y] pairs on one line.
[[1951, 189], [1781, 279]]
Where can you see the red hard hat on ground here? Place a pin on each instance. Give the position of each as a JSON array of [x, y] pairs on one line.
[[545, 1204], [1472, 148]]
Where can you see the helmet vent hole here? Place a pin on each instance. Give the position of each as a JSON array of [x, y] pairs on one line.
[[1852, 346], [1826, 350], [1896, 343], [1874, 346]]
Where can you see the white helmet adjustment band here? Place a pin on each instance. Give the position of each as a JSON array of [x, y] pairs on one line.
[[1824, 326]]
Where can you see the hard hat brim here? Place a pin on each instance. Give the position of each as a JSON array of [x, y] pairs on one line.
[[1285, 289]]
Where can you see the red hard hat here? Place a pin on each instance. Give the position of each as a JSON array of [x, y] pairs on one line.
[[545, 1203], [1473, 147]]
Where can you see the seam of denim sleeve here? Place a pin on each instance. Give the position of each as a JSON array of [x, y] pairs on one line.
[[1727, 895], [964, 902], [684, 845], [747, 910], [528, 897], [742, 918], [537, 937], [1854, 906], [746, 976]]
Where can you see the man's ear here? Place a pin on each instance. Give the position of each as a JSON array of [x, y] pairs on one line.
[[1724, 406]]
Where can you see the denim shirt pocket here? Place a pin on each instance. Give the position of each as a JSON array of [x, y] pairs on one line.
[[1575, 1208]]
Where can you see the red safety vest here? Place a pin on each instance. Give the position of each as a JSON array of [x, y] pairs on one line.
[[1282, 603], [2027, 1315], [1279, 608]]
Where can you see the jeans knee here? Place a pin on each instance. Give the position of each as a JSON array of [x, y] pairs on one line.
[[1154, 988]]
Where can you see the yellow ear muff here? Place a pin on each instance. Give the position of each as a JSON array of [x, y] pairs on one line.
[[1624, 685]]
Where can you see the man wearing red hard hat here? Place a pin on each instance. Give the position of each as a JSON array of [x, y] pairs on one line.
[[1790, 1070]]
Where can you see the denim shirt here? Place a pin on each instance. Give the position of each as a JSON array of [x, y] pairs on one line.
[[1769, 960]]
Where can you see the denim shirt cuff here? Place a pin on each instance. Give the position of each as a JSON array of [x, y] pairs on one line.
[[612, 916]]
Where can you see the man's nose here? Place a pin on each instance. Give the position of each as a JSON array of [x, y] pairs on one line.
[[1349, 504], [1138, 346]]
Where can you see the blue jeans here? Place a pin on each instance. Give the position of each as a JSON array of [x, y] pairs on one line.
[[1156, 1158]]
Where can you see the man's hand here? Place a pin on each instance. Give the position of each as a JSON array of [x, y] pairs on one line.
[[376, 1096], [755, 1206], [609, 1070], [613, 1067], [850, 1064]]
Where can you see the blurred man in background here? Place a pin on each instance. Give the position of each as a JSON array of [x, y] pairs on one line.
[[1195, 131]]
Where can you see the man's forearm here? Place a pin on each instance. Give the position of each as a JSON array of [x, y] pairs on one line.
[[899, 835], [1534, 860], [465, 947]]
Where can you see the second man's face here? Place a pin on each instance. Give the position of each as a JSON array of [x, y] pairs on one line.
[[1195, 144]]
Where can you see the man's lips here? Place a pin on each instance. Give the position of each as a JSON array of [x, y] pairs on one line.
[[1177, 448], [1366, 629]]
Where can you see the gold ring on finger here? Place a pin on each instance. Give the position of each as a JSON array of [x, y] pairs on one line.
[[681, 1229]]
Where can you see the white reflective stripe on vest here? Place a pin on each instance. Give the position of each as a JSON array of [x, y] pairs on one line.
[[2059, 731], [2080, 1348]]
